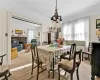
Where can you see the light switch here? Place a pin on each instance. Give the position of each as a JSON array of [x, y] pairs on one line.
[[6, 34]]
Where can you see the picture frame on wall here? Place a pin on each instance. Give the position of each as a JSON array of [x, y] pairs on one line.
[[97, 23], [18, 31]]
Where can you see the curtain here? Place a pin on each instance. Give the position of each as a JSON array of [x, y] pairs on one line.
[[67, 31], [30, 33], [77, 30]]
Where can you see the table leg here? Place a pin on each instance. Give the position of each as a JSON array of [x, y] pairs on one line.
[[53, 68], [82, 56], [93, 72]]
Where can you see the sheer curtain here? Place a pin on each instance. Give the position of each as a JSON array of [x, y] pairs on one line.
[[30, 33], [77, 30], [67, 31]]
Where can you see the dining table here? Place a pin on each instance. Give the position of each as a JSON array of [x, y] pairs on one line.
[[49, 53]]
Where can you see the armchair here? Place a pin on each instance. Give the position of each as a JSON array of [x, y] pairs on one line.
[[88, 52], [1, 57], [4, 69]]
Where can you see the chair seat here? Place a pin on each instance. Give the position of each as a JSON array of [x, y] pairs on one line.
[[65, 56], [86, 52], [4, 68], [66, 64]]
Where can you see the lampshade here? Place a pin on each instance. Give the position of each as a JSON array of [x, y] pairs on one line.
[[98, 32]]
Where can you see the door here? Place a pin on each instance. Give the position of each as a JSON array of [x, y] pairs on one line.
[[49, 38]]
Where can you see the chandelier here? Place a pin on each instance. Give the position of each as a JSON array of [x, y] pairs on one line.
[[56, 18]]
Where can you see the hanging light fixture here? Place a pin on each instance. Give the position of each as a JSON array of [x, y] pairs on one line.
[[56, 18], [56, 21]]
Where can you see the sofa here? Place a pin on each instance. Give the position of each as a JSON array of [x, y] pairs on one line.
[[15, 44], [79, 44]]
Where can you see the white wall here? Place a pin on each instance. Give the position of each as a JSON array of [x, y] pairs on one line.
[[93, 13], [21, 25], [6, 26], [93, 36], [3, 30], [45, 29]]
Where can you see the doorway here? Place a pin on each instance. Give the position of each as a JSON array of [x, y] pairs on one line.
[[19, 38]]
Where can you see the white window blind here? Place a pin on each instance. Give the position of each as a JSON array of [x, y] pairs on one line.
[[75, 30], [30, 33]]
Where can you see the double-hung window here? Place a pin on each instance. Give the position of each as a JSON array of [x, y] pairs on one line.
[[67, 31], [79, 32], [75, 30], [30, 33]]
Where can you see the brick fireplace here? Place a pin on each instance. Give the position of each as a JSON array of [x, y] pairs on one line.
[[21, 40]]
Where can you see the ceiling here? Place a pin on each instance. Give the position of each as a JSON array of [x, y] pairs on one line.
[[42, 10]]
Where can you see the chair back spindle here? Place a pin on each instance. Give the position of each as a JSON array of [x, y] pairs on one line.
[[77, 60], [72, 51]]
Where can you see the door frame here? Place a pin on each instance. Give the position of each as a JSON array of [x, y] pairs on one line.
[[9, 17]]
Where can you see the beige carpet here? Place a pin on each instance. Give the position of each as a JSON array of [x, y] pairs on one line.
[[25, 72]]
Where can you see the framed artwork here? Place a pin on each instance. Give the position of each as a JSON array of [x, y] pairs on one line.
[[97, 23], [18, 31]]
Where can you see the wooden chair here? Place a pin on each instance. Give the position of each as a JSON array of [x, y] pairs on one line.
[[70, 53], [88, 52], [70, 65], [4, 69], [1, 57], [37, 60]]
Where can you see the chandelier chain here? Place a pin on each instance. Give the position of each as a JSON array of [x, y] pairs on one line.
[[56, 4]]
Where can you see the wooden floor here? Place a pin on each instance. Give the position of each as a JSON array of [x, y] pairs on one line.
[[20, 72]]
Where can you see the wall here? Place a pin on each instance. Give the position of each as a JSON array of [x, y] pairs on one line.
[[93, 36], [21, 25], [5, 24], [93, 13], [3, 37], [45, 29]]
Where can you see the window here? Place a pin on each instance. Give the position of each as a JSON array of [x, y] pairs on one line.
[[30, 33], [67, 31], [79, 33], [75, 30]]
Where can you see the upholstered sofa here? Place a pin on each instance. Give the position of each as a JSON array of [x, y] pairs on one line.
[[15, 44], [79, 44]]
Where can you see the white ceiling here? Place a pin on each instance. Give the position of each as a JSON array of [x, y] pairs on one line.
[[42, 10]]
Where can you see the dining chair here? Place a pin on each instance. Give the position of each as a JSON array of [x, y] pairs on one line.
[[37, 60], [70, 53], [1, 57], [88, 52], [4, 69], [71, 65]]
